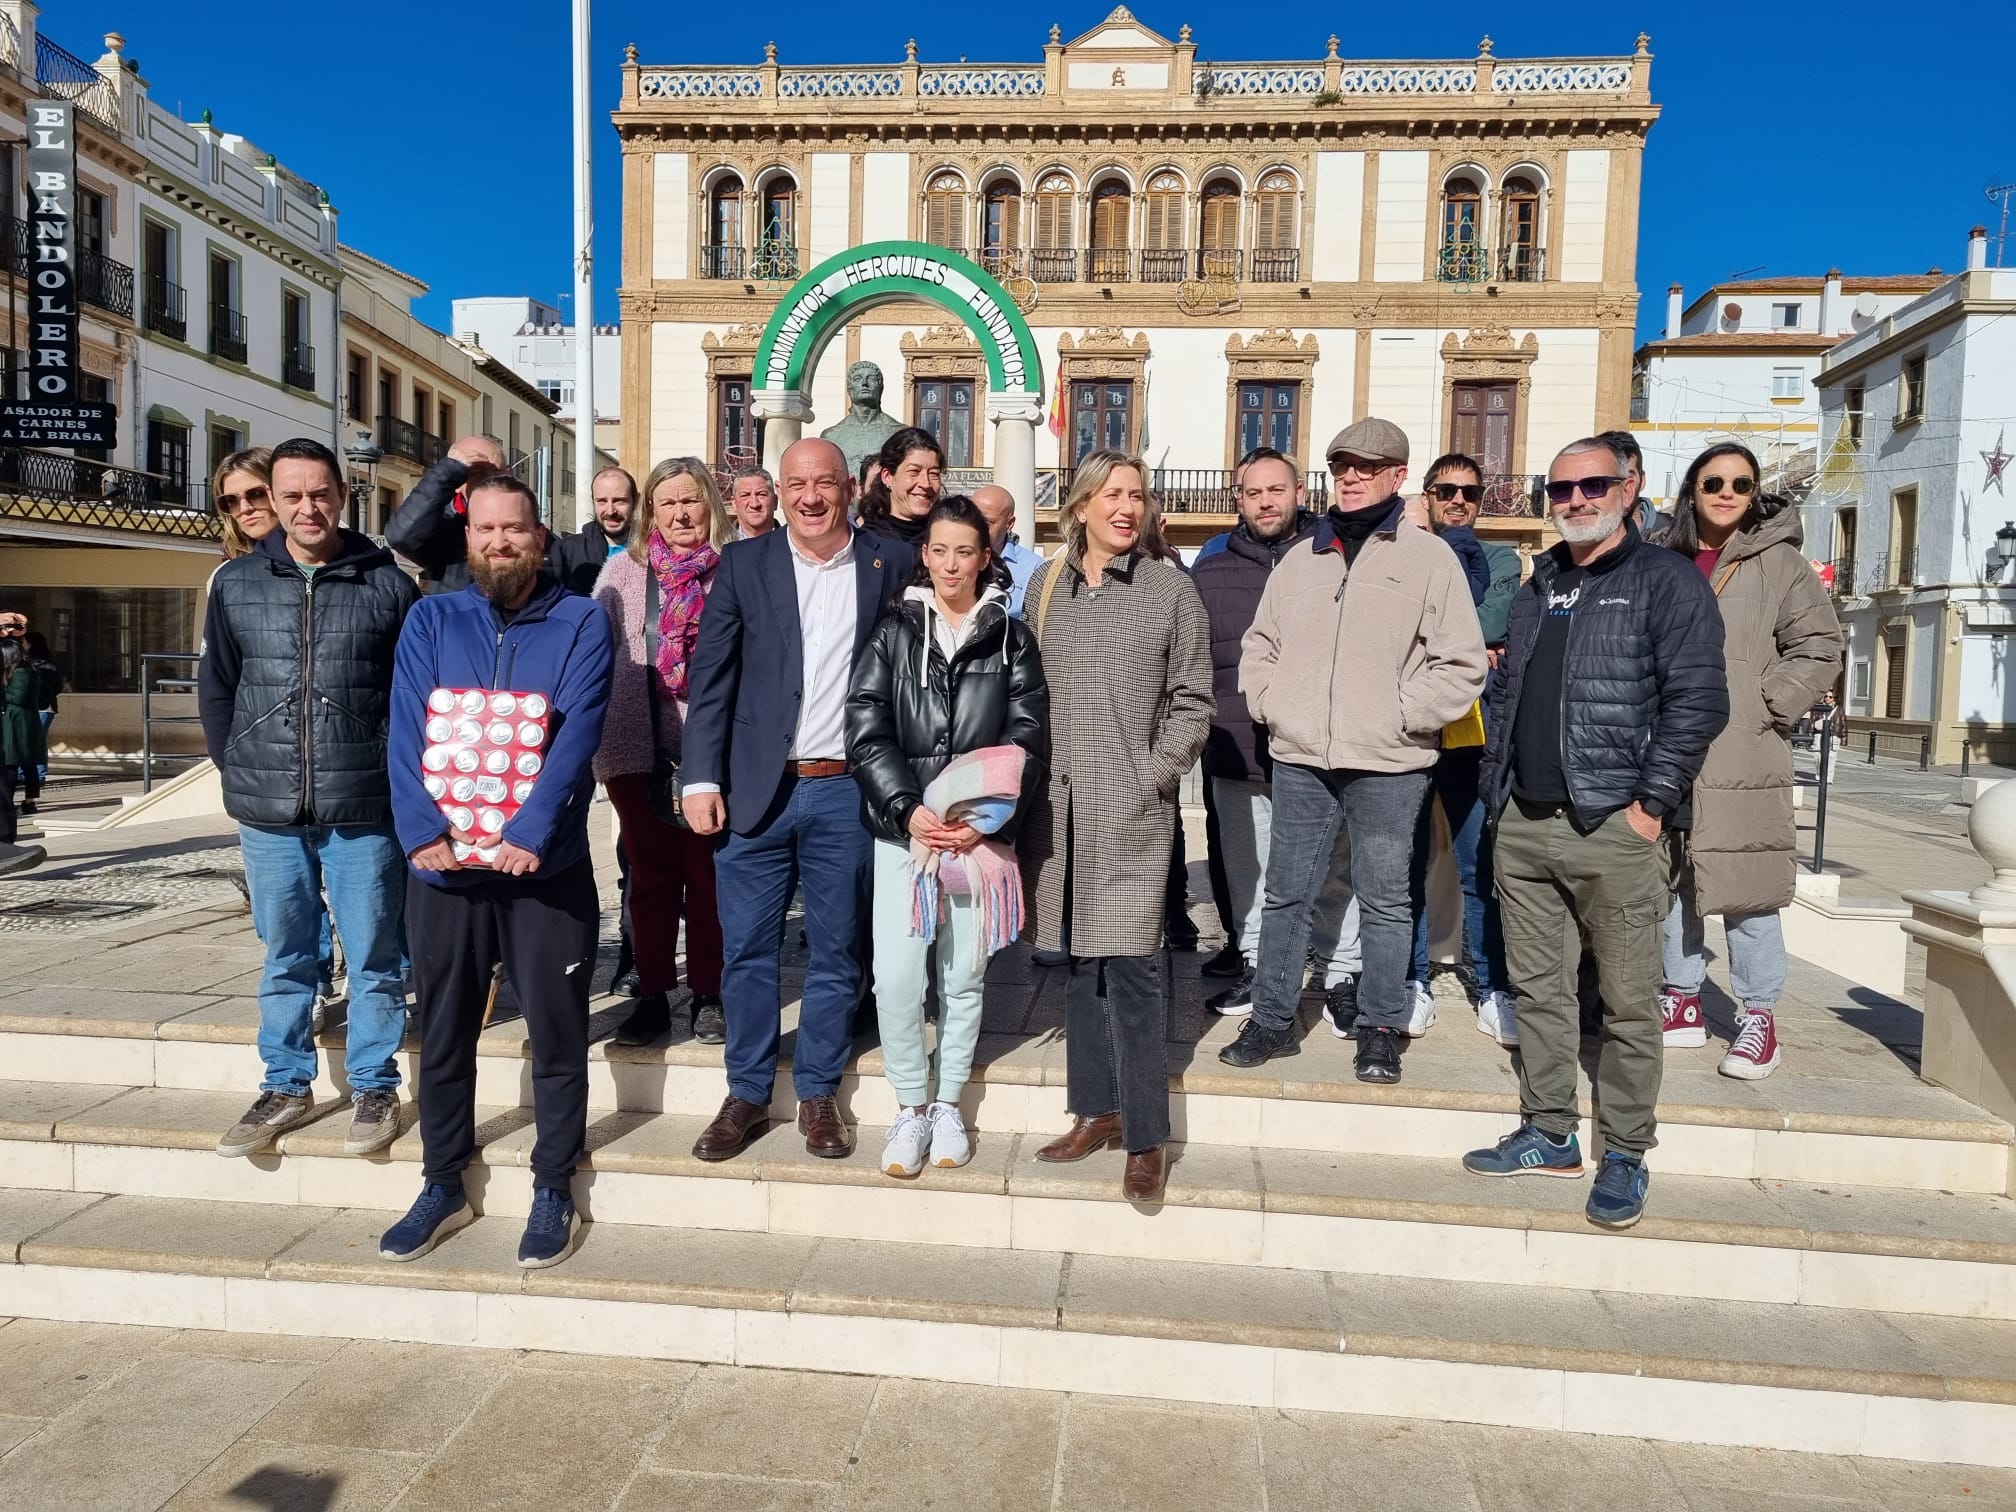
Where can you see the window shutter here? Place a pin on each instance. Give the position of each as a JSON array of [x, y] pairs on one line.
[[1109, 218], [1274, 220], [1053, 220], [1220, 229]]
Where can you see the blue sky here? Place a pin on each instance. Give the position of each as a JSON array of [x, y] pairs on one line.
[[1858, 135]]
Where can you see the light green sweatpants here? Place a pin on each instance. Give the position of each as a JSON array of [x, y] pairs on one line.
[[902, 962]]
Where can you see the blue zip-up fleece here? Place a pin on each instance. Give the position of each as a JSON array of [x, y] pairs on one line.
[[559, 645]]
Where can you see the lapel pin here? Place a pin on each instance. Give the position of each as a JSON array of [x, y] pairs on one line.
[[878, 562]]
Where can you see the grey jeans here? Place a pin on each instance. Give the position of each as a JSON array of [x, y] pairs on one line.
[[1116, 1023], [1756, 950], [1246, 834]]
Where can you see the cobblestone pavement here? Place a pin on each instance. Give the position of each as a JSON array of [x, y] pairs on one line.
[[248, 1421]]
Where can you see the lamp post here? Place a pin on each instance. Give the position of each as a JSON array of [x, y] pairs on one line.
[[363, 455], [2004, 552]]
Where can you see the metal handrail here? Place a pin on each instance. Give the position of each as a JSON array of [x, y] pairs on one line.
[[147, 717]]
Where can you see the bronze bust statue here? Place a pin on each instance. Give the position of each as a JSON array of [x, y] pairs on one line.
[[866, 427]]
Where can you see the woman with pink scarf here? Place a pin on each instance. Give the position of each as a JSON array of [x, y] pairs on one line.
[[653, 592]]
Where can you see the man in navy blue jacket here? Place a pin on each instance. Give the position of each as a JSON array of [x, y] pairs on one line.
[[765, 759], [513, 629]]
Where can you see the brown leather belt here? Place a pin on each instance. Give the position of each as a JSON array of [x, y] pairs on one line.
[[816, 768]]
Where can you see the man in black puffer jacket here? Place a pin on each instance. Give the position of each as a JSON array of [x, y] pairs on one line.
[[295, 693], [1611, 688], [430, 528]]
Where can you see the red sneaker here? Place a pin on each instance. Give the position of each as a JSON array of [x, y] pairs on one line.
[[1680, 1020], [1756, 1053]]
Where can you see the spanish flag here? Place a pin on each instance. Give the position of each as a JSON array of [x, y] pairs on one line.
[[1057, 407]]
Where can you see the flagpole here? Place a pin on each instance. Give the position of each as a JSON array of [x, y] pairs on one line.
[[584, 273]]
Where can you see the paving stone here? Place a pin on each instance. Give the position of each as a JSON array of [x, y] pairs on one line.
[[31, 1110], [933, 1283], [1738, 1499], [1885, 1479], [1761, 1345], [675, 1491], [26, 1213], [387, 1396], [104, 1009], [250, 1346], [1567, 1472], [792, 1425], [14, 1429], [1226, 1304], [1119, 1456], [1392, 1464], [47, 1368], [255, 1473], [1760, 1470], [958, 1449], [171, 1234]]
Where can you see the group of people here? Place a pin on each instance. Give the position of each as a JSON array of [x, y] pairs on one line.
[[887, 705], [31, 685]]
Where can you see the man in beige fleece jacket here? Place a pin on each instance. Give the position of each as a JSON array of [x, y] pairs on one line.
[[1365, 645]]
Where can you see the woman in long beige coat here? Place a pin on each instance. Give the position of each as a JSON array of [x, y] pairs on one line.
[[1127, 653], [1783, 646]]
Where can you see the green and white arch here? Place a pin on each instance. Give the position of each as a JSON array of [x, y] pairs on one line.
[[820, 305]]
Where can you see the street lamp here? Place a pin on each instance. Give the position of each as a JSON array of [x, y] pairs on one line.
[[363, 455]]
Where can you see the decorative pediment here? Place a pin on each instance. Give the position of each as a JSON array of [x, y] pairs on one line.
[[1102, 340], [951, 336], [1120, 29], [1273, 342], [1491, 341], [740, 337]]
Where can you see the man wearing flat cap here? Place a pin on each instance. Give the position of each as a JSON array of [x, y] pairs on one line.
[[1365, 645]]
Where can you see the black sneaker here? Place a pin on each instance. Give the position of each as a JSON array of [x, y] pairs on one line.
[[1042, 957], [710, 1024], [651, 1019], [1340, 1008], [1238, 998], [1378, 1055], [1181, 933], [627, 985], [1229, 962], [1257, 1044]]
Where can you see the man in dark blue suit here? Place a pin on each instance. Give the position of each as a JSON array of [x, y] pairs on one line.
[[765, 759]]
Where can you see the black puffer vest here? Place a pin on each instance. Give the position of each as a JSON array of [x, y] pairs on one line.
[[314, 683]]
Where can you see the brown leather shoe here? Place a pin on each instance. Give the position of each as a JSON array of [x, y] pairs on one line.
[[1083, 1137], [1146, 1173], [734, 1129], [826, 1135]]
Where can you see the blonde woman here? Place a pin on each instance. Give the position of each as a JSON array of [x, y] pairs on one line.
[[1126, 650], [653, 592]]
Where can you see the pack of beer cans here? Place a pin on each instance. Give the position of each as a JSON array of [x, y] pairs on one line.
[[484, 752]]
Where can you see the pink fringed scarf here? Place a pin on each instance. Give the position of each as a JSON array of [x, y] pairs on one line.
[[980, 788], [682, 594]]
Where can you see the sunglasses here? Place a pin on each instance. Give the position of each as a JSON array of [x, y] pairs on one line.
[[1592, 488], [1344, 467], [257, 495], [1741, 487], [1472, 493]]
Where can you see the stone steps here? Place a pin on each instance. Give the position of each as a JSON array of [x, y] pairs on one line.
[[1810, 1244], [1748, 1373]]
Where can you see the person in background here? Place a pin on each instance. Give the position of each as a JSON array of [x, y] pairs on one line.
[[948, 674], [998, 506], [905, 478], [430, 528], [49, 688], [1126, 649], [295, 689], [26, 775], [1783, 647], [20, 744], [1644, 514], [654, 593], [1238, 770], [752, 499], [577, 559], [1454, 493], [1595, 737], [535, 907], [1364, 646]]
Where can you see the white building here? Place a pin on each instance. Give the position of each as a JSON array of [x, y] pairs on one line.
[[1739, 364], [1917, 476], [530, 337]]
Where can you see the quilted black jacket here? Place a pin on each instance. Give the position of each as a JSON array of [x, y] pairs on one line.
[[1644, 691]]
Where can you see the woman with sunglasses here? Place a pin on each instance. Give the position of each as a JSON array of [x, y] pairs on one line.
[[1783, 648]]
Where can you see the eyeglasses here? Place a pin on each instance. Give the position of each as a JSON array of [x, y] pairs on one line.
[[1592, 488], [257, 494], [1344, 467], [13, 627], [1443, 493], [1741, 487]]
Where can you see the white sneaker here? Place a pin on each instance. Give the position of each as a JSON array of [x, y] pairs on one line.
[[949, 1145], [1420, 1010], [909, 1138], [1496, 1017]]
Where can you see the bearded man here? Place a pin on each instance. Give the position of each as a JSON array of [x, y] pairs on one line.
[[1594, 739], [513, 631]]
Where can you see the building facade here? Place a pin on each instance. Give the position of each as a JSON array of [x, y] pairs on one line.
[[1209, 256], [1918, 478], [529, 336]]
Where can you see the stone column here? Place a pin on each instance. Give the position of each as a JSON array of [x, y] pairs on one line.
[[1015, 417], [783, 413]]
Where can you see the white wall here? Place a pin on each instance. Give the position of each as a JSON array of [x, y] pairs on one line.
[[1562, 405], [671, 214], [1400, 235], [1340, 216], [832, 174], [1405, 386], [1694, 399], [1330, 396], [885, 196], [1987, 678], [1584, 205], [679, 424], [1186, 396]]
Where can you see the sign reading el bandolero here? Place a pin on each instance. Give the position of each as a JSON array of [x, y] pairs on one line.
[[26, 422]]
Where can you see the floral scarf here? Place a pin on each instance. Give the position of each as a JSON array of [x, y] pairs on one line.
[[682, 592]]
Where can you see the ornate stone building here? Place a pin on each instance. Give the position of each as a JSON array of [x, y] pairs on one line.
[[1209, 256]]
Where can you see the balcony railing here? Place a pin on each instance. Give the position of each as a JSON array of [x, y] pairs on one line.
[[297, 366], [48, 487], [1462, 262], [1641, 408], [1109, 264], [1844, 576], [723, 262], [227, 333], [1277, 265], [1522, 264], [1515, 495], [1205, 490], [1164, 265], [1053, 265], [65, 76], [100, 280], [402, 438], [165, 309]]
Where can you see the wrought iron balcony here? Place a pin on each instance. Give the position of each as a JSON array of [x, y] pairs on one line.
[[1515, 495], [100, 280], [1844, 576], [164, 310], [1221, 262], [1053, 265], [1164, 265], [227, 333], [1277, 265], [401, 438], [1462, 262], [1641, 408], [297, 366], [723, 262], [773, 260], [1109, 265], [1205, 490], [48, 487], [1522, 264], [63, 75]]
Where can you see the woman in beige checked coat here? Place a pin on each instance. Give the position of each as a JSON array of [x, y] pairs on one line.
[[1127, 652]]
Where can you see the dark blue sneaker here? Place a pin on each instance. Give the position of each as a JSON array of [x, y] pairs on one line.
[[549, 1232], [1526, 1152], [1618, 1199], [440, 1211]]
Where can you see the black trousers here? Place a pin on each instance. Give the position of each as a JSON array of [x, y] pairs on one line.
[[544, 930], [1116, 1018]]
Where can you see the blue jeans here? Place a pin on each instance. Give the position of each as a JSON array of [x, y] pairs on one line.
[[48, 717], [361, 868], [1453, 780], [817, 836], [1756, 951]]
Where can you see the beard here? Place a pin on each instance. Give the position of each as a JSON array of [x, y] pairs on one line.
[[1596, 528], [503, 579]]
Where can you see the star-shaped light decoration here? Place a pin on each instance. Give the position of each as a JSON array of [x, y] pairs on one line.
[[1997, 461]]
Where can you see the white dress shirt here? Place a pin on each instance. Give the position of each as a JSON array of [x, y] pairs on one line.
[[826, 624]]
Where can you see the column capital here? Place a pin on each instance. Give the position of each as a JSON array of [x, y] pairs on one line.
[[780, 404], [1015, 405]]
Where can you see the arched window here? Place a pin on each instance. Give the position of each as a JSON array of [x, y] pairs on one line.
[[1001, 226], [777, 240], [1462, 257], [1218, 229], [1520, 257], [1162, 232], [1112, 206], [722, 255], [1275, 228], [945, 212], [1052, 259]]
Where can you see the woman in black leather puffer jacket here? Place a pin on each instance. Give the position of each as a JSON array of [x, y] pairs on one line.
[[946, 673]]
